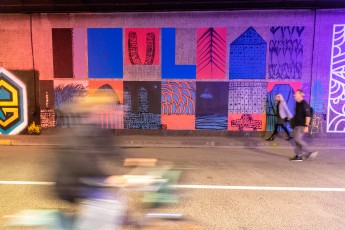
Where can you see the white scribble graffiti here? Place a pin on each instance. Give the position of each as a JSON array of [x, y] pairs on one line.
[[336, 97], [316, 125]]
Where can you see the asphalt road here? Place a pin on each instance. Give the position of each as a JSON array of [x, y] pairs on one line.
[[258, 204]]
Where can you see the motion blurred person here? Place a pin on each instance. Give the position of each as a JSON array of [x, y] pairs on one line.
[[301, 122], [85, 148], [283, 115]]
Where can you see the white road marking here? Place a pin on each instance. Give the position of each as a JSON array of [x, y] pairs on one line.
[[215, 187], [26, 183], [258, 188]]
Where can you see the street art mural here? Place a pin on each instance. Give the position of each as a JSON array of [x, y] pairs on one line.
[[111, 117], [142, 105], [13, 103], [212, 105], [287, 90], [105, 53], [247, 97], [65, 92], [211, 53], [47, 102], [247, 122], [178, 104], [175, 71], [317, 94], [248, 56], [142, 46], [336, 98], [286, 52]]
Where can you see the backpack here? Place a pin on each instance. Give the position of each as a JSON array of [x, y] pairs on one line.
[[311, 115]]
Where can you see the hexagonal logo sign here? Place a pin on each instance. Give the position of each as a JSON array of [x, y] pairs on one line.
[[13, 103]]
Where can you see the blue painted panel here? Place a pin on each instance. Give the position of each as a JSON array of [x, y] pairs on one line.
[[248, 56], [169, 69], [105, 54]]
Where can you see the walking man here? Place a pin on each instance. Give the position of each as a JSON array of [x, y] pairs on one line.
[[301, 122]]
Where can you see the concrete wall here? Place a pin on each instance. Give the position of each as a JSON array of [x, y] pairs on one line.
[[179, 71]]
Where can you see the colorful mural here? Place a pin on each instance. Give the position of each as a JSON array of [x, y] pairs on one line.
[[211, 53], [178, 104], [336, 99], [13, 104], [248, 56], [286, 52], [185, 71]]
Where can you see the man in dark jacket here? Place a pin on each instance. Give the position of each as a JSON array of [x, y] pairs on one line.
[[301, 122]]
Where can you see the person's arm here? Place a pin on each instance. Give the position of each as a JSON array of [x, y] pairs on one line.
[[288, 113], [307, 117]]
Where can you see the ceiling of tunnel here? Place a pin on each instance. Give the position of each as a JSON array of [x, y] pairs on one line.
[[62, 6]]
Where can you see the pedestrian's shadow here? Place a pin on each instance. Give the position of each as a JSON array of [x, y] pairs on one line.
[[255, 145]]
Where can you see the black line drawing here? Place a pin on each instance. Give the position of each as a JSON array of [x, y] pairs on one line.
[[286, 52], [133, 48]]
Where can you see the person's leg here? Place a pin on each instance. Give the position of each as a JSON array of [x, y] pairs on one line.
[[271, 138], [304, 145], [287, 132], [298, 135]]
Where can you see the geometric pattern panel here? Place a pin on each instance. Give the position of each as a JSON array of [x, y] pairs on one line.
[[286, 52], [248, 56], [178, 97], [247, 97], [13, 103], [336, 97], [211, 53]]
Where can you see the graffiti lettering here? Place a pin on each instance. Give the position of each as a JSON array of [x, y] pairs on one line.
[[34, 129], [246, 121]]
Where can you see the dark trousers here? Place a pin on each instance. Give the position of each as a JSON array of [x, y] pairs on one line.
[[276, 129]]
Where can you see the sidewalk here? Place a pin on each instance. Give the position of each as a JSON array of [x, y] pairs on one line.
[[157, 141]]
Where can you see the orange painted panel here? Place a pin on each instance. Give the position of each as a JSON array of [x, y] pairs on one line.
[[116, 85], [179, 122]]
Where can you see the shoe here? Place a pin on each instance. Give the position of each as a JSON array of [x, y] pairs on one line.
[[296, 158], [312, 155], [289, 138], [270, 139]]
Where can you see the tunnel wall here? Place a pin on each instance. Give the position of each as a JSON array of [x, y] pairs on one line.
[[177, 70]]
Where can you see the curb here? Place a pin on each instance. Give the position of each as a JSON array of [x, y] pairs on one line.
[[195, 144]]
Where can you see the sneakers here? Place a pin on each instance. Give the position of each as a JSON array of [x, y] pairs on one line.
[[270, 139], [312, 155], [296, 158], [289, 138]]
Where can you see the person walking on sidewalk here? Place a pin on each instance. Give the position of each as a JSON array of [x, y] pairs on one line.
[[301, 122], [283, 115]]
